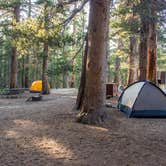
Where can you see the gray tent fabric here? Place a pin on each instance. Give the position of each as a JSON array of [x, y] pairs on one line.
[[143, 99]]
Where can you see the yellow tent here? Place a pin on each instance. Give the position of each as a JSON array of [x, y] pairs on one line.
[[37, 86]]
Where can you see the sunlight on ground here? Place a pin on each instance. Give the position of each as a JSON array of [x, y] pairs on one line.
[[53, 148], [12, 134], [46, 145], [100, 129], [25, 123], [28, 125], [64, 91], [22, 133]]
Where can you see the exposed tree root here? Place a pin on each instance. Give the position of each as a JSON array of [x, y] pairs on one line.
[[91, 116]]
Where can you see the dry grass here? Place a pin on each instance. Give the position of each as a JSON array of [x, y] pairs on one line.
[[45, 134]]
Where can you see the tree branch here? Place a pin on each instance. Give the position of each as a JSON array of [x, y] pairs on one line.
[[74, 13]]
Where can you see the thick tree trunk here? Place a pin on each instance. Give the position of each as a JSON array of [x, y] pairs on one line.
[[108, 76], [81, 90], [45, 87], [92, 110], [13, 72], [143, 51], [152, 57], [148, 43], [133, 60]]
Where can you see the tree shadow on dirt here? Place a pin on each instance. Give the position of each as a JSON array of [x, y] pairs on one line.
[[48, 135]]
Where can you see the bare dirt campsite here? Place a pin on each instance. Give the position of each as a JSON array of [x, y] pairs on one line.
[[45, 133], [64, 67]]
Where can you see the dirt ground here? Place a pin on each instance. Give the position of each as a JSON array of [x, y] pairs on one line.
[[45, 133]]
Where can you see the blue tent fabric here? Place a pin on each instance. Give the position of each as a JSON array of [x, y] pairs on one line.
[[143, 99]]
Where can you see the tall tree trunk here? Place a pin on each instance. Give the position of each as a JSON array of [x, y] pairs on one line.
[[148, 44], [64, 75], [117, 70], [81, 90], [13, 72], [27, 56], [45, 87], [92, 110], [152, 57], [133, 58], [143, 50], [117, 64], [23, 72], [36, 68], [27, 71], [108, 77], [64, 72]]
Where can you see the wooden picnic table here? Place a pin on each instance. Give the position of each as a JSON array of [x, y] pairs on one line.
[[14, 92]]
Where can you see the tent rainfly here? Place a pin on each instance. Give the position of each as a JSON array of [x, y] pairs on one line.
[[143, 99], [36, 86]]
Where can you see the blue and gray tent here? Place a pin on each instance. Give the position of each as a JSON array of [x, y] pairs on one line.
[[143, 99]]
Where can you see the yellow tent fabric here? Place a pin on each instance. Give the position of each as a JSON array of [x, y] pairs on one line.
[[37, 86]]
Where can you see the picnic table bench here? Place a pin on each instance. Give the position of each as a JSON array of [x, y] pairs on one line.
[[13, 93]]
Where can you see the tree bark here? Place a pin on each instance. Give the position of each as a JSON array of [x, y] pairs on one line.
[[108, 76], [64, 77], [81, 90], [27, 56], [152, 57], [92, 110], [27, 71], [23, 72], [45, 87], [117, 70], [117, 64], [148, 44], [64, 72], [143, 50], [133, 58], [13, 72]]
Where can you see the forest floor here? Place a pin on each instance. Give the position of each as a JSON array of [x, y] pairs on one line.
[[45, 133]]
